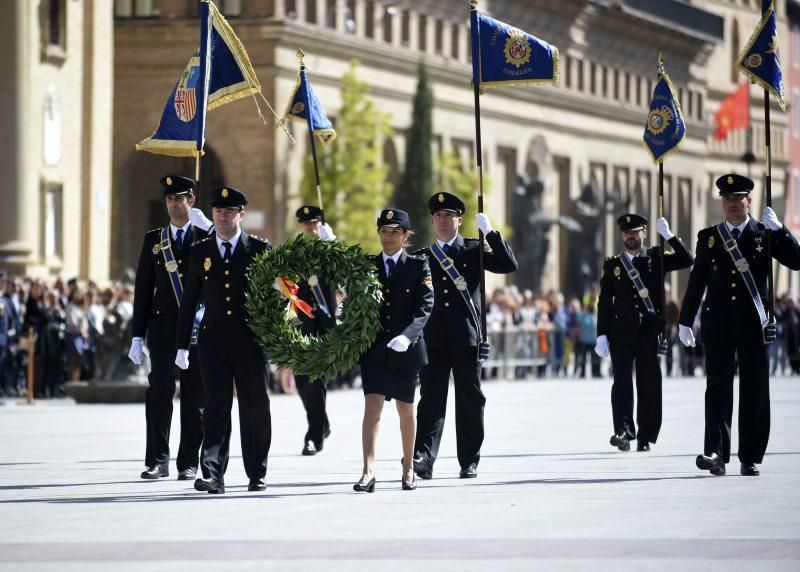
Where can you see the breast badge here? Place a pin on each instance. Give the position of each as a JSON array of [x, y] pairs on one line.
[[711, 241], [156, 248], [617, 271], [207, 264]]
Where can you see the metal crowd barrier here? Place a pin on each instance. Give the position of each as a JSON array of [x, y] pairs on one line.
[[512, 348]]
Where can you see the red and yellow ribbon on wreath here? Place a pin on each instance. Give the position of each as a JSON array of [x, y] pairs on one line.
[[289, 290]]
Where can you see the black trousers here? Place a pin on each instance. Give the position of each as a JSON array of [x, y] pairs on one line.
[[313, 395], [754, 415], [158, 408], [643, 352], [469, 400], [224, 362]]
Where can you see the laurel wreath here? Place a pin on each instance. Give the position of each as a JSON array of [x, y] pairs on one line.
[[333, 262]]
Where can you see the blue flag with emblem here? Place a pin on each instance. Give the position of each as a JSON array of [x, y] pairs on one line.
[[760, 60], [304, 106], [505, 56], [218, 73], [665, 129]]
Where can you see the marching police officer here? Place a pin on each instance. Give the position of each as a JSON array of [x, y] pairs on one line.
[[389, 369], [322, 299], [452, 334], [731, 269], [160, 278], [227, 348], [629, 322]]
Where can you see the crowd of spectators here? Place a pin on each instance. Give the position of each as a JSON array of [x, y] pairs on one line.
[[82, 332]]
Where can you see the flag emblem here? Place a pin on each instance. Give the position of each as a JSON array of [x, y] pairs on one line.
[[753, 61], [517, 48], [298, 108], [185, 100], [659, 119]]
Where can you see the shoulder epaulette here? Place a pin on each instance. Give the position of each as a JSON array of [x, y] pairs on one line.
[[421, 257], [259, 239]]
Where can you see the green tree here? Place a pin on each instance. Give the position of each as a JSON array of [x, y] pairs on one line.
[[459, 176], [353, 176], [416, 183]]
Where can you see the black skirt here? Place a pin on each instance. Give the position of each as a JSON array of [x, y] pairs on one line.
[[391, 382]]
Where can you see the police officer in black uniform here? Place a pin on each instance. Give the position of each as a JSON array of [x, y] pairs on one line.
[[628, 327], [452, 338], [155, 315], [733, 322], [227, 348], [389, 369], [313, 392]]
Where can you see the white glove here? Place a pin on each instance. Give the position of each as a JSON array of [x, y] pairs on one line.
[[686, 335], [182, 359], [483, 223], [601, 347], [399, 343], [662, 226], [770, 219], [326, 232], [136, 354], [198, 219]]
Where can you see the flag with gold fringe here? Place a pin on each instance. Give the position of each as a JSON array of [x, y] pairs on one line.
[[218, 73], [665, 129], [760, 60], [304, 106], [503, 55]]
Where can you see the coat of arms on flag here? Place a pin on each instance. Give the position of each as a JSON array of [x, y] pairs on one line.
[[185, 101]]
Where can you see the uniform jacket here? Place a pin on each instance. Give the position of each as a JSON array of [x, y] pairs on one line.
[[728, 315], [155, 309], [321, 322], [406, 307], [619, 306], [451, 323], [223, 287]]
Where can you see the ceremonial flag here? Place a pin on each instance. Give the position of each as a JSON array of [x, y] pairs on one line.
[[220, 72], [760, 60], [304, 106], [733, 112], [504, 55], [665, 129]]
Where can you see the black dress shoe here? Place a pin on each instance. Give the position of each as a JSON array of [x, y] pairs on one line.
[[368, 487], [155, 472], [257, 484], [642, 446], [210, 486], [712, 463], [309, 449], [422, 469], [469, 472], [621, 442], [749, 470], [326, 433], [187, 474], [410, 486]]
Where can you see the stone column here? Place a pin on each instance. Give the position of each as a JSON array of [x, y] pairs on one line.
[[278, 8], [361, 18]]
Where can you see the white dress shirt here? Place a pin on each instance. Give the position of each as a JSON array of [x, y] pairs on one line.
[[233, 242]]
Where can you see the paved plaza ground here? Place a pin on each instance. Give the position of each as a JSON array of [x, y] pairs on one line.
[[551, 493]]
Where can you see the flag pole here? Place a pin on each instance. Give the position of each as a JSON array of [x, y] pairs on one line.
[[662, 348], [479, 157], [768, 186], [300, 56], [197, 167]]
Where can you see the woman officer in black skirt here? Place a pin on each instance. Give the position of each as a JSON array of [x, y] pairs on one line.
[[390, 368]]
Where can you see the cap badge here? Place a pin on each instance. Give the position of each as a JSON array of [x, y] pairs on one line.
[[441, 198], [169, 181], [305, 210], [627, 219], [224, 193], [389, 215], [730, 180]]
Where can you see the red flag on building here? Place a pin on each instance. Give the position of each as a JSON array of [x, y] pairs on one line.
[[734, 112]]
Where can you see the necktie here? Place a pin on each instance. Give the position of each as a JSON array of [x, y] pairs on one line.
[[447, 248], [227, 246], [390, 267], [735, 233], [179, 238]]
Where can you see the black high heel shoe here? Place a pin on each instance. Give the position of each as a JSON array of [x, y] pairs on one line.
[[365, 488]]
